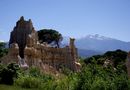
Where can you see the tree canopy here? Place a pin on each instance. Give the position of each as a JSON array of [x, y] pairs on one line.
[[50, 36], [117, 57]]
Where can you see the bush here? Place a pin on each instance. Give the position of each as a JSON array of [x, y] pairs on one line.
[[33, 78], [8, 73], [34, 71], [28, 82]]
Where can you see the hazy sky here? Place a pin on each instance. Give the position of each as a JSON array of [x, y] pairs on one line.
[[74, 18]]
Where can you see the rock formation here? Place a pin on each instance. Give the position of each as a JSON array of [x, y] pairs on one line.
[[20, 33], [26, 50]]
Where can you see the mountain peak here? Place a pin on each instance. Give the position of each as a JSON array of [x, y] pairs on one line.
[[97, 36]]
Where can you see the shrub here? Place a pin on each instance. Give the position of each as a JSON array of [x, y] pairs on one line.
[[28, 82], [34, 71], [8, 73], [33, 78]]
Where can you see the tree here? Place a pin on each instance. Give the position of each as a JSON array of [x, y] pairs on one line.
[[50, 36], [8, 73], [3, 50], [118, 56]]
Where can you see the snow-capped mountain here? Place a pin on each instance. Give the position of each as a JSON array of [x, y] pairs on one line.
[[99, 44]]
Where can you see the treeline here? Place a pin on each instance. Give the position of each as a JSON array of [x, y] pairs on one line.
[[114, 59]]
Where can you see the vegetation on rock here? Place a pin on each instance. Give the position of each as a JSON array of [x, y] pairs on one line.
[[50, 36]]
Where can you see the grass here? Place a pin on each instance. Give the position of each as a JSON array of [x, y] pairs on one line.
[[8, 87]]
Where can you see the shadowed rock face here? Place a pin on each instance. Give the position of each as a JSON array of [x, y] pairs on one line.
[[20, 33]]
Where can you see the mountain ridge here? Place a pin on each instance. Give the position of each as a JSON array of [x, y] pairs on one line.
[[97, 44]]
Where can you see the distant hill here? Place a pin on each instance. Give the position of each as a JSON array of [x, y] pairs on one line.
[[96, 44], [88, 53]]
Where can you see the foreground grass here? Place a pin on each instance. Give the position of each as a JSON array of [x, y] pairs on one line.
[[8, 87]]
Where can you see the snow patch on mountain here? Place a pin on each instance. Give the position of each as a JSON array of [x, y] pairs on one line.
[[97, 37]]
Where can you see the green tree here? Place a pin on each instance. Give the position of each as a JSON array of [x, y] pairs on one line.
[[117, 56], [50, 36], [3, 50]]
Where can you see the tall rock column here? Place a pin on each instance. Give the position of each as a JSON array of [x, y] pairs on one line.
[[73, 54], [20, 33]]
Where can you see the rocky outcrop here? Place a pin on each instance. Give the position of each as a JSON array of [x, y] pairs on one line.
[[27, 51], [20, 33]]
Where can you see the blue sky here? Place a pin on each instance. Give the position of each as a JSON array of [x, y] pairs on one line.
[[74, 18]]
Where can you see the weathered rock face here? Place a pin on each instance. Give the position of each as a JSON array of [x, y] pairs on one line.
[[20, 33], [27, 51]]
